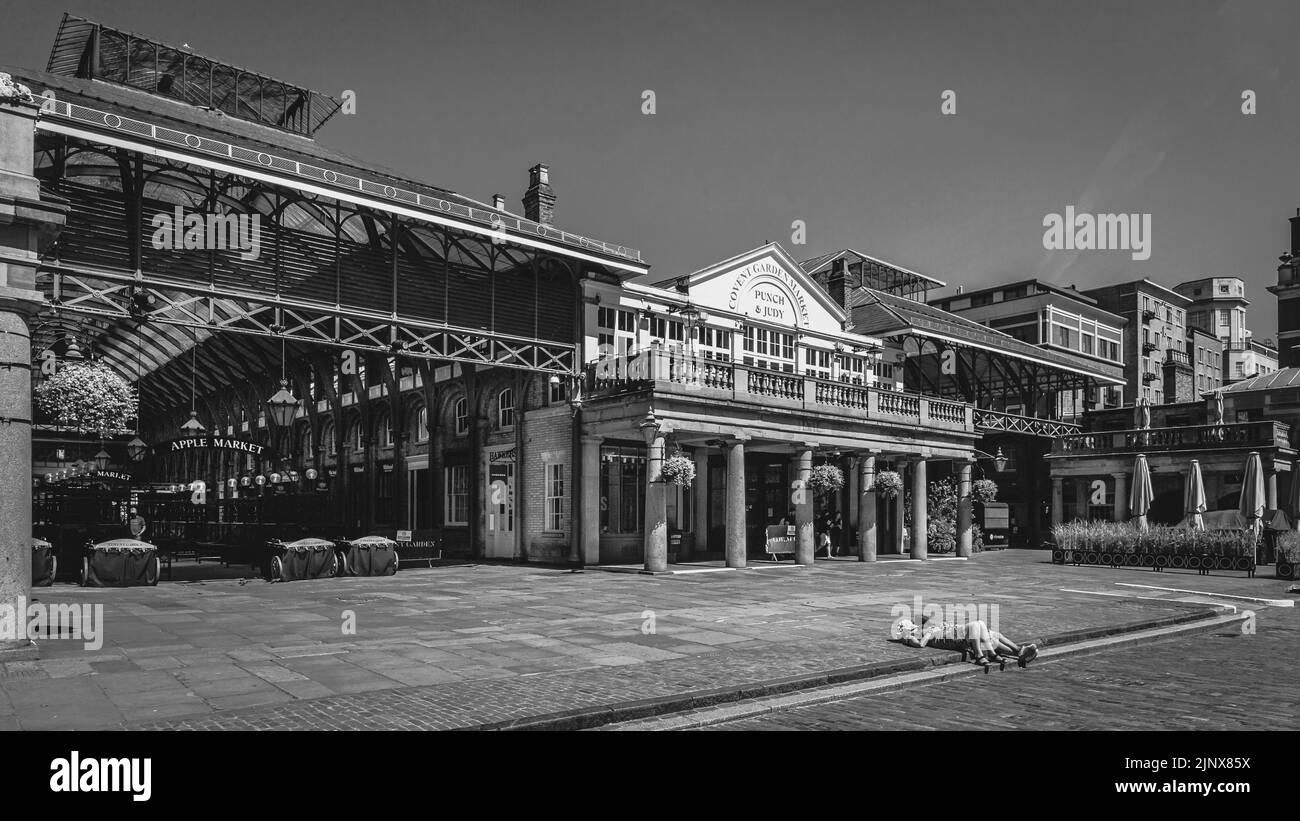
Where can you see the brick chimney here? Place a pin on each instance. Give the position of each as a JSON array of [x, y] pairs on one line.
[[539, 199], [836, 282], [498, 202], [1295, 232]]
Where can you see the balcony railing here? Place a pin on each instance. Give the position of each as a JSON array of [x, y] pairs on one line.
[[674, 373], [1266, 433], [1177, 357]]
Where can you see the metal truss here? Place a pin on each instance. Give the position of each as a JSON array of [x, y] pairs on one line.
[[989, 420], [147, 299]]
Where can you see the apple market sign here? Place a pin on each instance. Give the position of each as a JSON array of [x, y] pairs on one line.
[[212, 443], [766, 291]]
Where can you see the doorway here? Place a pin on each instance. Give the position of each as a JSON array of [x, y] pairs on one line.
[[499, 502]]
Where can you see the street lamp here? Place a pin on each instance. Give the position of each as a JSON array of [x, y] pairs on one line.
[[649, 428], [283, 405], [136, 449], [102, 459], [999, 460], [192, 426]]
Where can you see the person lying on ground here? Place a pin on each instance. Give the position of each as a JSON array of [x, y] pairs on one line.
[[973, 637]]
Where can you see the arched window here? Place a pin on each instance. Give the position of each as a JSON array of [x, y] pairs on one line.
[[461, 414], [355, 436], [422, 425], [327, 437], [386, 431], [506, 409]]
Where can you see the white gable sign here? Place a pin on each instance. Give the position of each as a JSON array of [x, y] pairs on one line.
[[766, 290]]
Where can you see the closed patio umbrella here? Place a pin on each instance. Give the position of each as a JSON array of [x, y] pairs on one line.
[[1252, 491], [1194, 497], [1218, 408], [1141, 494], [1141, 415], [1295, 494]]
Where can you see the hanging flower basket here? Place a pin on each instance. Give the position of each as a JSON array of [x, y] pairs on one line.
[[984, 490], [86, 397], [678, 470], [826, 479], [889, 484]]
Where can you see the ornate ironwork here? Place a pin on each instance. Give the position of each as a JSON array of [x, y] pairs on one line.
[[990, 420]]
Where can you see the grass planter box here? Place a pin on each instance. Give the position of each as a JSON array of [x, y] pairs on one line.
[[1121, 545]]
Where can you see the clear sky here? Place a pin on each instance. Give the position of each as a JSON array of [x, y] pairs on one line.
[[824, 112]]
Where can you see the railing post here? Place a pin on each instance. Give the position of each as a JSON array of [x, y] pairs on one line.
[[969, 423], [873, 402], [923, 410], [809, 392], [741, 380]]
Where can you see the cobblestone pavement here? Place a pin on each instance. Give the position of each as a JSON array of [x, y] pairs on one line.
[[1217, 681], [464, 646]]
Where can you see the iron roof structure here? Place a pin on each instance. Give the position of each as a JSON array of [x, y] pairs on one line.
[[881, 314]]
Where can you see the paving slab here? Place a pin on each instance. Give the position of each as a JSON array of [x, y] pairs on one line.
[[479, 644]]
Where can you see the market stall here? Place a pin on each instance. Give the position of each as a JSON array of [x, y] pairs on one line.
[[301, 559], [368, 556], [120, 563], [44, 563]]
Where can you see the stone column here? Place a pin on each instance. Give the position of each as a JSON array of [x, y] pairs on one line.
[[26, 225], [656, 508], [735, 503], [805, 544], [1121, 497], [920, 519], [851, 491], [900, 511], [589, 510], [965, 536], [699, 504], [1058, 500], [867, 509], [1270, 487]]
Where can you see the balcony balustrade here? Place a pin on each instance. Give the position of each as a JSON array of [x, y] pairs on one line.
[[673, 373], [1261, 434]]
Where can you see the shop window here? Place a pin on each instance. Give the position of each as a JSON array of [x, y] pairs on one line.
[[456, 494], [384, 497], [422, 425], [622, 489], [555, 497], [506, 409]]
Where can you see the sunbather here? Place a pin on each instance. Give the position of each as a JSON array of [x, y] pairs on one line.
[[973, 637]]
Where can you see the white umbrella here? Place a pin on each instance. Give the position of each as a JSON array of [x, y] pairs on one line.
[[1252, 492], [1295, 493], [1194, 497], [1141, 494]]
